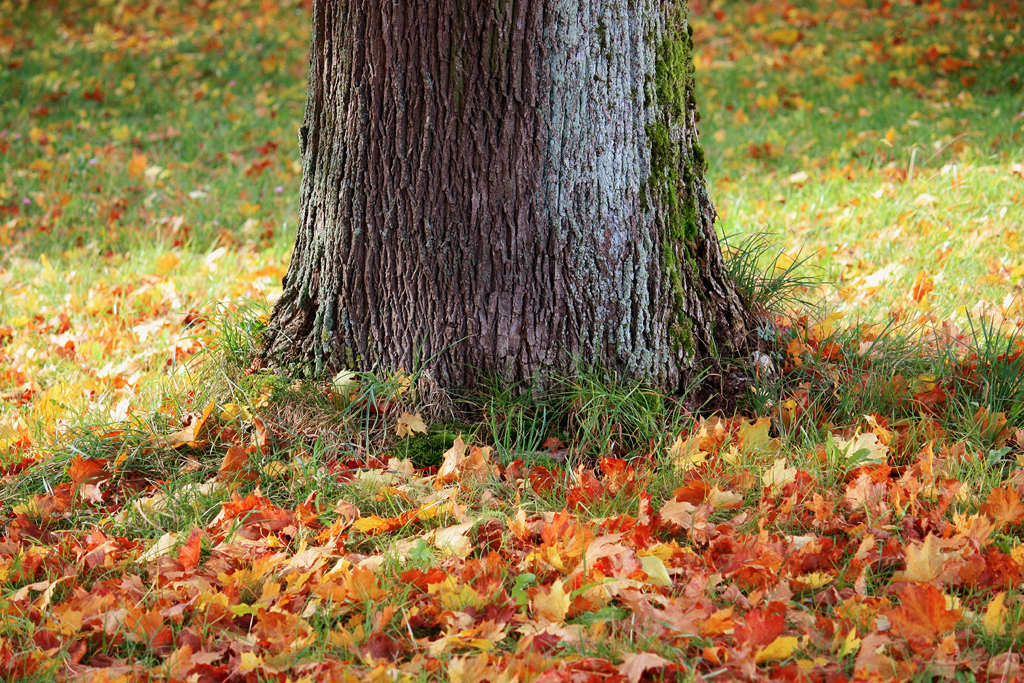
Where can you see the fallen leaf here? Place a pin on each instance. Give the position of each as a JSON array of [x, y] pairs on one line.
[[865, 448], [454, 539], [1004, 507], [780, 648], [778, 476], [636, 664], [994, 621], [233, 413], [84, 471], [924, 560], [409, 424], [553, 604], [922, 613], [235, 461]]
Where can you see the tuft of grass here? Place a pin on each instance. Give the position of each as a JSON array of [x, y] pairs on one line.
[[767, 278], [608, 416], [985, 382]]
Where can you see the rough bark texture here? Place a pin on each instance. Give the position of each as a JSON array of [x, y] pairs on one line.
[[506, 187]]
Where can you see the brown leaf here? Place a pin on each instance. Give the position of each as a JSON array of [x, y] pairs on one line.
[[260, 434], [678, 512], [463, 462]]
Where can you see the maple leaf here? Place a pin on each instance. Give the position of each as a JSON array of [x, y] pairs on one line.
[[850, 645], [619, 475], [780, 648], [994, 622], [165, 263], [191, 551], [923, 285], [194, 434], [776, 478], [137, 166], [923, 613], [374, 525], [233, 464], [796, 351], [685, 456], [657, 572], [755, 437], [636, 664], [718, 498], [759, 628], [924, 561], [82, 471], [551, 605], [992, 425], [678, 512], [873, 664], [409, 424], [719, 623], [462, 461], [1004, 506], [13, 432], [233, 413], [454, 539], [862, 449]]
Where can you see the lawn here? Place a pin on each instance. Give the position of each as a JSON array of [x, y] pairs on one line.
[[167, 516]]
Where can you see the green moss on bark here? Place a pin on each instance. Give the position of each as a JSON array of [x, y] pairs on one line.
[[678, 163], [675, 169]]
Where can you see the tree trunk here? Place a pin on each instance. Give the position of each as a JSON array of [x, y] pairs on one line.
[[504, 188]]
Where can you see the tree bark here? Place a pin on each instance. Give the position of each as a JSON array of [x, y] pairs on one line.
[[506, 188]]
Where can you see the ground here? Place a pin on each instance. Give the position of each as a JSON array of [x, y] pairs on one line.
[[166, 515]]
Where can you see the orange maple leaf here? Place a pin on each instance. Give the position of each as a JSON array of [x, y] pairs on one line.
[[82, 471], [922, 613], [1004, 506], [234, 463]]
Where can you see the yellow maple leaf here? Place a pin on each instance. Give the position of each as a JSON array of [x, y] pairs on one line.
[[813, 581], [657, 572], [864, 448], [780, 648], [233, 411], [783, 37], [994, 621], [850, 645], [553, 605], [924, 561]]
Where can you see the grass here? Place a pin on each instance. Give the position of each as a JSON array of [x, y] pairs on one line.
[[869, 178]]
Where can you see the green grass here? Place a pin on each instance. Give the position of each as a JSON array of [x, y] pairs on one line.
[[839, 127]]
